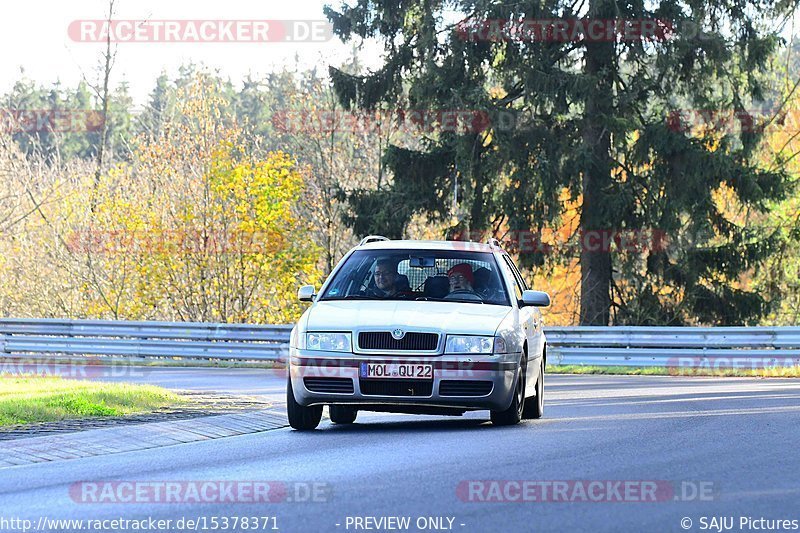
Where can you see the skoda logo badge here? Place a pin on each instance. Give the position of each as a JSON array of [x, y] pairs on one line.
[[398, 334]]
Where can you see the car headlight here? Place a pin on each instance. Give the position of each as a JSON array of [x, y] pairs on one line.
[[468, 344], [329, 342]]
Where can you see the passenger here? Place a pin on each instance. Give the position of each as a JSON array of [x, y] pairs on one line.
[[461, 278]]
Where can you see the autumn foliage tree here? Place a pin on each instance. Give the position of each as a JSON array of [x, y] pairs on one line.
[[196, 227]]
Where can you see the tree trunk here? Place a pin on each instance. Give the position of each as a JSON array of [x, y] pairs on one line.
[[596, 259]]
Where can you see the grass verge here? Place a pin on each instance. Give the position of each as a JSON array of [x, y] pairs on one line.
[[773, 372], [32, 399]]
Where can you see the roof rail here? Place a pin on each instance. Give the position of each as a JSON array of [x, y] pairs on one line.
[[494, 243], [372, 238]]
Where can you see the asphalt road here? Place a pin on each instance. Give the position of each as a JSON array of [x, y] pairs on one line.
[[728, 445]]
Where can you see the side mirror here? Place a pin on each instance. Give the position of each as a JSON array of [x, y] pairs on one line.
[[306, 293], [535, 299]]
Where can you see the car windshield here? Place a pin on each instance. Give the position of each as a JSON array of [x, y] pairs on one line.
[[423, 275]]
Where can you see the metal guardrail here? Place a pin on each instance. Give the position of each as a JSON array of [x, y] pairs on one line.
[[719, 347], [142, 340], [644, 346]]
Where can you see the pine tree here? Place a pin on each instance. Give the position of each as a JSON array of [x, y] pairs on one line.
[[592, 117], [160, 108]]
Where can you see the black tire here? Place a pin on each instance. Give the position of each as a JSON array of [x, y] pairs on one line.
[[301, 417], [512, 415], [342, 414], [534, 406]]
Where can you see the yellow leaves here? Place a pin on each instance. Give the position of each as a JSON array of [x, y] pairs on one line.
[[712, 144], [193, 228], [563, 283], [726, 200], [247, 216], [497, 92], [260, 194]]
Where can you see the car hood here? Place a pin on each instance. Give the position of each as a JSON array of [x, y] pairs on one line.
[[450, 317]]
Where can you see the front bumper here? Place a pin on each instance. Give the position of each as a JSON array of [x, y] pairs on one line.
[[498, 370]]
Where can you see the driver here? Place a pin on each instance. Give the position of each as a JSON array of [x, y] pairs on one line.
[[461, 278], [386, 278]]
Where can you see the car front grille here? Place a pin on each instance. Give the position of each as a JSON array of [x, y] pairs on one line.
[[336, 385], [396, 387], [412, 341], [453, 387]]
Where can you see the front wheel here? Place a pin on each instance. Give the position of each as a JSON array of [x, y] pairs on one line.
[[534, 406], [342, 414], [301, 417], [513, 414]]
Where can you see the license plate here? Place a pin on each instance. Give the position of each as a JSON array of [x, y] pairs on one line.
[[396, 370]]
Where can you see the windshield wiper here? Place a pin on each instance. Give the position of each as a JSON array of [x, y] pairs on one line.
[[352, 297], [459, 300]]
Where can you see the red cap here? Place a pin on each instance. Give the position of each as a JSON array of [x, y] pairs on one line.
[[465, 270]]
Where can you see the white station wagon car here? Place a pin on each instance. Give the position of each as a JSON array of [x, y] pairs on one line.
[[428, 327]]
